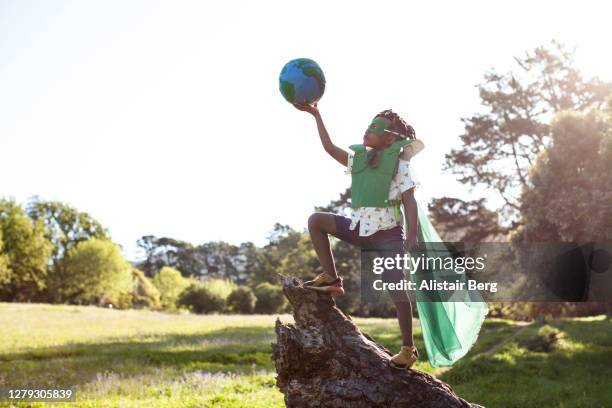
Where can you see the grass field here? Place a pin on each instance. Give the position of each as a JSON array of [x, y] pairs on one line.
[[144, 359]]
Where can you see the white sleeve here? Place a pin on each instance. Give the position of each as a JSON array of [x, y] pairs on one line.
[[349, 164], [404, 176]]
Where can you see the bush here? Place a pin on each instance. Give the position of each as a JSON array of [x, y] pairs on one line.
[[94, 272], [241, 300], [170, 284], [270, 298], [144, 293], [200, 298], [546, 340], [221, 287], [124, 300]]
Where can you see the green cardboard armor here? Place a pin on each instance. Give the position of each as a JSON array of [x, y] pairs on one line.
[[370, 186]]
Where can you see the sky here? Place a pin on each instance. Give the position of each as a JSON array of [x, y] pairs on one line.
[[165, 118]]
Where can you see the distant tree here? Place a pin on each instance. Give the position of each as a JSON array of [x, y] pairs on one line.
[[267, 261], [300, 261], [93, 272], [65, 226], [221, 260], [499, 145], [246, 260], [456, 220], [339, 206], [24, 254], [170, 284], [160, 252], [215, 259]]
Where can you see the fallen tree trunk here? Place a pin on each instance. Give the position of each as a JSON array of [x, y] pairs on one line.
[[324, 360]]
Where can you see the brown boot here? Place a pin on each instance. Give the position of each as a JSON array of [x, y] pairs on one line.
[[405, 358], [324, 282]]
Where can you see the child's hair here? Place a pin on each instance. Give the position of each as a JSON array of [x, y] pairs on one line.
[[398, 125]]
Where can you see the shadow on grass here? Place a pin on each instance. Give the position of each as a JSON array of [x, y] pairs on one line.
[[231, 349]]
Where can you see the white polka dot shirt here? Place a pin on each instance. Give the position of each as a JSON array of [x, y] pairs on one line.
[[372, 219]]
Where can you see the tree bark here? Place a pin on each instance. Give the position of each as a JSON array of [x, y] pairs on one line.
[[324, 360]]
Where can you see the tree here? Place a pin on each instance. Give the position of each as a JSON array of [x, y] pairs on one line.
[[465, 221], [268, 259], [24, 254], [221, 260], [301, 260], [65, 226], [499, 145], [170, 284], [570, 190], [93, 272], [216, 259], [160, 252]]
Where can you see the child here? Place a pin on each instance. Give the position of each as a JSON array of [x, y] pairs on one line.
[[380, 184], [372, 225]]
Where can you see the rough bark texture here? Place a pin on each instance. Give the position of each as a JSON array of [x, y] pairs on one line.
[[324, 360]]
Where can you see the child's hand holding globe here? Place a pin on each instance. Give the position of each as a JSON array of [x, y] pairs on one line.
[[310, 108]]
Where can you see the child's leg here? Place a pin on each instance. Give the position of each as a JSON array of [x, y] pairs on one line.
[[392, 242], [321, 224], [404, 317], [402, 304]]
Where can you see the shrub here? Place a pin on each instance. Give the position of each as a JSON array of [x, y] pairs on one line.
[[270, 298], [144, 293], [222, 287], [546, 340], [123, 301], [241, 300], [199, 298], [170, 284]]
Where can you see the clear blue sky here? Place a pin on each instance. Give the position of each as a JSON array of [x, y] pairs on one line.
[[165, 118]]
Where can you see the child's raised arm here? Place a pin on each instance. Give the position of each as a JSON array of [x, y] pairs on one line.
[[334, 151]]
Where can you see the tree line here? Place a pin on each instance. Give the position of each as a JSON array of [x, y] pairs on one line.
[[52, 252]]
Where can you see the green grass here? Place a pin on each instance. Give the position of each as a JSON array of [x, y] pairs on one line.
[[576, 374], [142, 358]]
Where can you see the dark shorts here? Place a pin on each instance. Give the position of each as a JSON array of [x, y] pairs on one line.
[[383, 239], [391, 241]]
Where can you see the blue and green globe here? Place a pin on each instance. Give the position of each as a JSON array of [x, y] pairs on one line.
[[302, 81]]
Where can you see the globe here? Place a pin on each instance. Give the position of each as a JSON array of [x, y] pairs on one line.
[[302, 81]]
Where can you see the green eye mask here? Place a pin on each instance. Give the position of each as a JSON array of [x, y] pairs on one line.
[[378, 127]]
